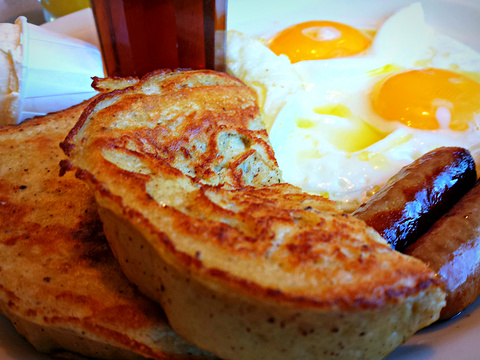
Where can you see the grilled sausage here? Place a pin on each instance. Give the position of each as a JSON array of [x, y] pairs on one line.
[[451, 247], [418, 195]]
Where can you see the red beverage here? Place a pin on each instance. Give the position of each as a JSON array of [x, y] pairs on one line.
[[138, 36]]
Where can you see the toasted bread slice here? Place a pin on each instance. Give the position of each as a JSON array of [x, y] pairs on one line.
[[105, 85], [244, 266], [59, 283]]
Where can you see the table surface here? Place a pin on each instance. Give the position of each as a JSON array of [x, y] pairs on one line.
[[31, 9]]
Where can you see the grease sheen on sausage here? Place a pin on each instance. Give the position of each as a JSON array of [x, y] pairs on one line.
[[418, 195], [451, 247]]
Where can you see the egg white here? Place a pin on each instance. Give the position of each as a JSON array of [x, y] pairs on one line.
[[272, 76]]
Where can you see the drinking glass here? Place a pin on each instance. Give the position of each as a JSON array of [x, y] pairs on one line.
[[139, 36]]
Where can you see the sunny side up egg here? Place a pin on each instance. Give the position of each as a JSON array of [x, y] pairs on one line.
[[347, 108]]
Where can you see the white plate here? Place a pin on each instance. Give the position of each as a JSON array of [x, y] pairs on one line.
[[457, 338]]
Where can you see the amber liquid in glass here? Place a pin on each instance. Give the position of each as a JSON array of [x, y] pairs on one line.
[[139, 36]]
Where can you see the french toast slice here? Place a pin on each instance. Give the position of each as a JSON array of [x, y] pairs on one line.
[[59, 283], [245, 266]]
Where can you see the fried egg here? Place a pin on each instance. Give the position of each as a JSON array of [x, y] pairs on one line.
[[342, 122]]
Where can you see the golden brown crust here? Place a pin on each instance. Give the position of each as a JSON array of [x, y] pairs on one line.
[[182, 143], [181, 166], [106, 85], [59, 282]]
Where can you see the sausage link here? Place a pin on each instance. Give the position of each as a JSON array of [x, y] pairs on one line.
[[451, 247], [419, 194]]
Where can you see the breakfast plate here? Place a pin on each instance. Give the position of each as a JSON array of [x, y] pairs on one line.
[[455, 338]]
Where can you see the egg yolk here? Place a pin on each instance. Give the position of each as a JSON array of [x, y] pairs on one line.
[[347, 132], [428, 99], [314, 40]]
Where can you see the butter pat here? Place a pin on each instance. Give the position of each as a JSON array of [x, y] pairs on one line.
[[11, 56], [42, 71]]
